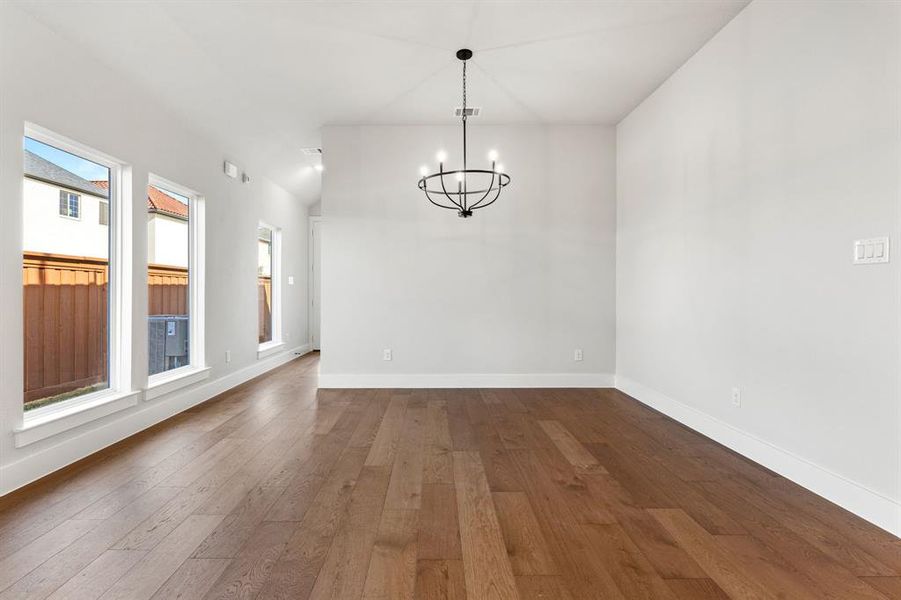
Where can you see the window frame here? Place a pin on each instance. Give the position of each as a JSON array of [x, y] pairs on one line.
[[196, 369], [100, 209], [69, 193], [275, 344], [42, 422]]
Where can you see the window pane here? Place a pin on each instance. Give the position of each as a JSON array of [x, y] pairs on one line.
[[168, 277], [65, 276], [264, 283]]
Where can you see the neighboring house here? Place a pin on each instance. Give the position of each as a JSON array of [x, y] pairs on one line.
[[67, 215], [63, 213], [167, 231]]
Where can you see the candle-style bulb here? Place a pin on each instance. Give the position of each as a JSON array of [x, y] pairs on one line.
[[441, 156], [423, 170], [459, 176], [499, 168], [492, 156]]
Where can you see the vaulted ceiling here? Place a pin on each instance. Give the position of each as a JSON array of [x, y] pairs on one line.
[[266, 76]]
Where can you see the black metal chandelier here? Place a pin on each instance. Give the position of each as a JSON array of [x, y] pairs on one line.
[[486, 183]]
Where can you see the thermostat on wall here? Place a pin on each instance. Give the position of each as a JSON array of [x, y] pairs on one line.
[[230, 169]]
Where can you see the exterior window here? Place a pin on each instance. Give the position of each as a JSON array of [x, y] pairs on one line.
[[69, 204], [104, 213], [66, 274], [172, 294], [268, 284]]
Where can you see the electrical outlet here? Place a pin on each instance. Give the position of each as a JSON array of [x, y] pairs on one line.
[[290, 279], [577, 355], [386, 354], [228, 356], [736, 397]]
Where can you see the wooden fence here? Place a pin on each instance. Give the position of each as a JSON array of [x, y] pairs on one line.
[[65, 323], [264, 287], [167, 289], [66, 318]]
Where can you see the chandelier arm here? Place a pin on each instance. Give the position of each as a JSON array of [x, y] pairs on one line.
[[485, 195], [444, 189], [429, 198], [493, 200], [424, 187]]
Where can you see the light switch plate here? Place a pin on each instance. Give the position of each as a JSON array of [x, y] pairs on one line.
[[873, 250]]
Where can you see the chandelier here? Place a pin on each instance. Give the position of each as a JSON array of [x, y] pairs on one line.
[[475, 188]]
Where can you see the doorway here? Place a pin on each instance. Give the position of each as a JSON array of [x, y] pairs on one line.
[[315, 281]]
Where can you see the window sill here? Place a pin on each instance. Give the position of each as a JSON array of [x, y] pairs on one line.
[[45, 424], [166, 383], [269, 348]]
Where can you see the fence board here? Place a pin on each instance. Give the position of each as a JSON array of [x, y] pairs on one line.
[[168, 290], [65, 323]]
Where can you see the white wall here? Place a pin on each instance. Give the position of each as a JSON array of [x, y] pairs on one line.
[[124, 122], [742, 183], [502, 298], [44, 230]]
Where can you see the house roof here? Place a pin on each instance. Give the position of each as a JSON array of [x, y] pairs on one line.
[[161, 202], [44, 170]]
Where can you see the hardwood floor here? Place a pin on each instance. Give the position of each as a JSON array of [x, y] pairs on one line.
[[275, 490]]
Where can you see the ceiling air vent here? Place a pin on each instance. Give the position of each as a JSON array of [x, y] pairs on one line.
[[312, 151], [471, 111]]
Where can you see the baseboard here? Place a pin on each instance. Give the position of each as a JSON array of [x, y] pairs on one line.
[[466, 380], [876, 508], [116, 428]]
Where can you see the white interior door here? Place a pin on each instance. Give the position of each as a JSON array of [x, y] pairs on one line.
[[315, 292]]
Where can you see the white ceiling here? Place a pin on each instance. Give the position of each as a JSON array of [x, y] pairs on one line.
[[263, 77]]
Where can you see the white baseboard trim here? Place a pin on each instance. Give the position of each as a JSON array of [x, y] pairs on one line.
[[876, 508], [466, 380], [108, 431]]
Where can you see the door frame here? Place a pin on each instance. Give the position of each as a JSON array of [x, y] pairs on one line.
[[312, 224]]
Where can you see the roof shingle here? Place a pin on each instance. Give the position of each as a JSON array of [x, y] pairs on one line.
[[42, 169]]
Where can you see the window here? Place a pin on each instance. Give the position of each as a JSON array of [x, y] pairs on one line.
[[69, 204], [104, 213], [268, 285], [76, 304], [174, 294]]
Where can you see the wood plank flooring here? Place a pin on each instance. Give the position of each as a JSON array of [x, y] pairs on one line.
[[279, 490]]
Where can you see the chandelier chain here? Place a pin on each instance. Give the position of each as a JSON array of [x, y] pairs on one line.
[[464, 89]]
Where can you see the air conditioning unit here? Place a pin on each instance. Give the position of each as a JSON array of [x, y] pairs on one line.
[[168, 342]]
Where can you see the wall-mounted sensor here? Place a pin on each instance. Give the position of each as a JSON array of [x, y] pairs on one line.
[[245, 178], [230, 169]]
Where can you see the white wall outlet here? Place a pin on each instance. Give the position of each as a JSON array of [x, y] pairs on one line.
[[290, 279], [577, 354], [228, 356], [736, 397], [874, 250], [386, 354], [230, 169]]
